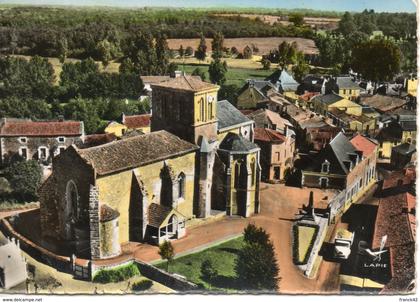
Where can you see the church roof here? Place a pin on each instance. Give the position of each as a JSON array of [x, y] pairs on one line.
[[135, 152], [185, 82], [237, 144], [229, 116]]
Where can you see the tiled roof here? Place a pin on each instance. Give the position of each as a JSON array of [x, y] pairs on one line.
[[93, 140], [237, 144], [158, 213], [403, 269], [264, 117], [399, 178], [363, 144], [188, 83], [383, 103], [137, 121], [135, 152], [392, 219], [154, 79], [268, 135], [228, 116], [15, 127], [307, 96]]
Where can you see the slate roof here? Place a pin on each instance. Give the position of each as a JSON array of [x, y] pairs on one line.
[[364, 144], [107, 213], [135, 152], [347, 83], [23, 127], [337, 153], [229, 116], [284, 79], [137, 121], [268, 135], [383, 103], [405, 148], [328, 98], [187, 83], [393, 132], [237, 144]]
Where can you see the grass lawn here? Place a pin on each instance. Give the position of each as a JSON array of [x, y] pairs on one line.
[[305, 235], [236, 76], [223, 259]]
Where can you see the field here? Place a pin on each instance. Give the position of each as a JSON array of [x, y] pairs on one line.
[[235, 76], [264, 44], [324, 22], [223, 259]]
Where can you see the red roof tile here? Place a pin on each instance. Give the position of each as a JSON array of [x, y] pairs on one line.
[[363, 144], [399, 178], [98, 139], [393, 219], [47, 128], [137, 121], [268, 135]]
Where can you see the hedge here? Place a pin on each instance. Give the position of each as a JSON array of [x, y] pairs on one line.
[[142, 285], [296, 243], [116, 275]]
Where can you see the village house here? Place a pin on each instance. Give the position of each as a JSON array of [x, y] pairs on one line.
[[37, 140], [395, 134], [265, 118], [322, 104], [347, 87], [360, 123], [254, 94], [199, 160], [383, 103], [140, 122], [344, 164], [284, 83], [277, 154], [305, 100], [314, 134], [403, 155]]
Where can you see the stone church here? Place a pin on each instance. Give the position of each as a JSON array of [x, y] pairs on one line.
[[199, 160]]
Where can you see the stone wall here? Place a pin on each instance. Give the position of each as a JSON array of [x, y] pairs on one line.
[[170, 280], [94, 223]]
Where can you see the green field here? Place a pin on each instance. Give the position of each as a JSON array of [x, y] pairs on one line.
[[236, 76], [223, 258]]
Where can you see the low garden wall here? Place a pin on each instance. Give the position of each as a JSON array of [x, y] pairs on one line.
[[165, 278]]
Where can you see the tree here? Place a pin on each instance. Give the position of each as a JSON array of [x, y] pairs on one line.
[[189, 51], [346, 26], [200, 53], [199, 72], [247, 52], [217, 46], [181, 51], [63, 49], [166, 252], [25, 179], [297, 19], [217, 72], [256, 265], [162, 55], [228, 92], [376, 60], [265, 63], [301, 68], [104, 49], [208, 272]]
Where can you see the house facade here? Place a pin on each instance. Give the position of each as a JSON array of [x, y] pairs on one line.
[[344, 164], [35, 140], [277, 154]]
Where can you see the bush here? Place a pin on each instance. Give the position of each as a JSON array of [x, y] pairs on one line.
[[116, 275], [208, 272], [142, 285], [24, 178]]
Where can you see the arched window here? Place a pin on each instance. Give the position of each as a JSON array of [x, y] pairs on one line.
[[181, 185], [210, 110], [72, 199], [325, 167], [202, 110], [253, 172]]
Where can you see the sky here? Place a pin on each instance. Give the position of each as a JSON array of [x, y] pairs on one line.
[[337, 5]]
